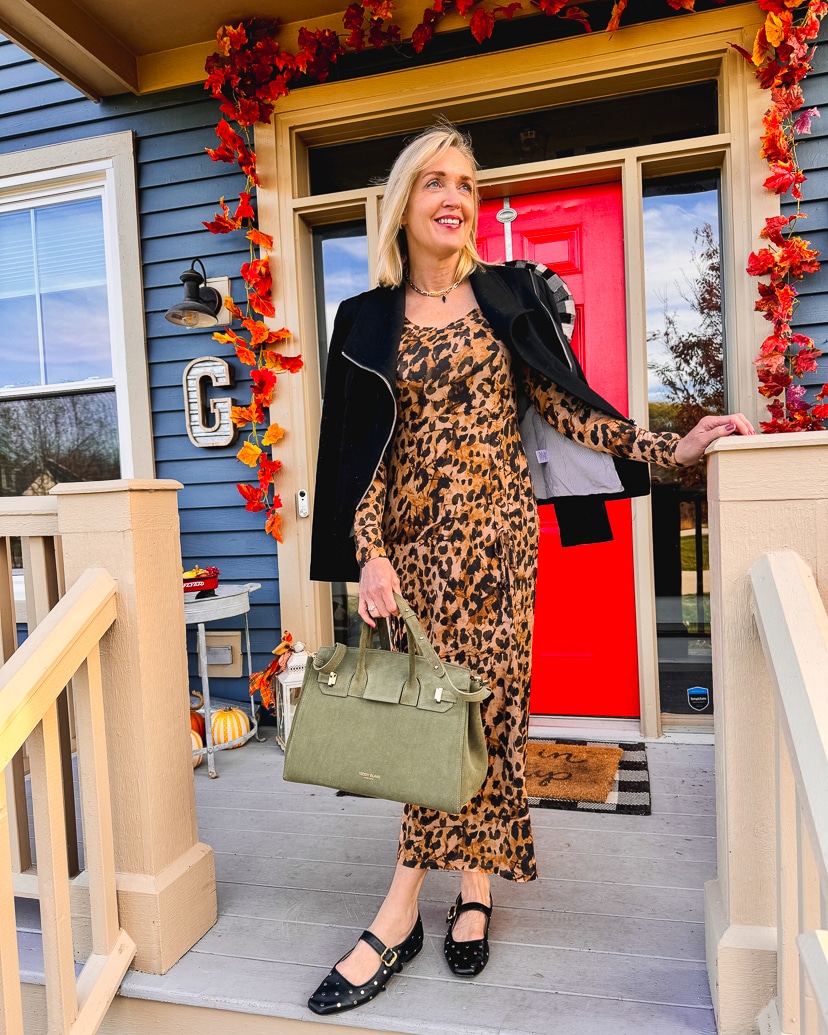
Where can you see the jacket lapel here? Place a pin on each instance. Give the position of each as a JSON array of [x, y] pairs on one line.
[[374, 338]]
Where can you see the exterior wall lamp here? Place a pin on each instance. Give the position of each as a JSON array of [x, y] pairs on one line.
[[201, 304]]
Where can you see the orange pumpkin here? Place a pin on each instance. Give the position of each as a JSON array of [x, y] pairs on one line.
[[198, 744], [196, 718], [229, 724]]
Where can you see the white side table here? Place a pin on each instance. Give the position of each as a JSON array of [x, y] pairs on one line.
[[228, 601]]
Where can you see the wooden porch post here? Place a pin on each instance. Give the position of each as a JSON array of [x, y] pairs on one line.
[[165, 877], [765, 493]]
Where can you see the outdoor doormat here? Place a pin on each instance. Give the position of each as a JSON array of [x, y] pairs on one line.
[[589, 776]]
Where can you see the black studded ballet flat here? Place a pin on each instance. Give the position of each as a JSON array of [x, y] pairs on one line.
[[335, 994], [467, 958]]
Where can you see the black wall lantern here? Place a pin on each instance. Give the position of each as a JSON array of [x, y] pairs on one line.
[[201, 304]]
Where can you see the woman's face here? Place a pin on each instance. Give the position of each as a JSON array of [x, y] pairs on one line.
[[441, 208]]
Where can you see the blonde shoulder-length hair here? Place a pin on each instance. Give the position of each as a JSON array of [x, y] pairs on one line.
[[411, 161]]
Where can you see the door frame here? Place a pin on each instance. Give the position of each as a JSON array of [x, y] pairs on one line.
[[659, 54]]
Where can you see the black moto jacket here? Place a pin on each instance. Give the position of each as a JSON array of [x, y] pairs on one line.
[[360, 408]]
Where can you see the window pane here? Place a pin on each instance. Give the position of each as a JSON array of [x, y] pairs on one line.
[[53, 296], [631, 120], [51, 439], [686, 381], [340, 255]]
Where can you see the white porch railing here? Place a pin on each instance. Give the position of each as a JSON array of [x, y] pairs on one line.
[[64, 645], [766, 914], [132, 695], [793, 627]]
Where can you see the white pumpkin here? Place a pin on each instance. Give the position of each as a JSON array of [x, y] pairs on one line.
[[228, 724]]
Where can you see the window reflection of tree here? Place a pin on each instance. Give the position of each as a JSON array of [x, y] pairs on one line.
[[61, 438], [693, 375]]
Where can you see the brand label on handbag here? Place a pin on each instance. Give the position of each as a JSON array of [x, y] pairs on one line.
[[542, 455], [370, 776]]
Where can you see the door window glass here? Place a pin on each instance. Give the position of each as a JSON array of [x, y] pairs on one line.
[[685, 349], [340, 270]]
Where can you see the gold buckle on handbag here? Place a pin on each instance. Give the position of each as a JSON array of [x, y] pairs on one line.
[[389, 957]]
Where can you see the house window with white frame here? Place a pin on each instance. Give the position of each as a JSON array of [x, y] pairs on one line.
[[58, 411]]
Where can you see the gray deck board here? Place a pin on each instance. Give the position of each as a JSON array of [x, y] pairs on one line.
[[610, 938]]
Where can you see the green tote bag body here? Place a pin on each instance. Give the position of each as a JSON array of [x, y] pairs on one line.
[[406, 727]]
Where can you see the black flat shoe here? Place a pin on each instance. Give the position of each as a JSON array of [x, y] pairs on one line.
[[467, 958], [335, 994]]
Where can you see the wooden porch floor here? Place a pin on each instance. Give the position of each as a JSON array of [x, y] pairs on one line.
[[609, 939]]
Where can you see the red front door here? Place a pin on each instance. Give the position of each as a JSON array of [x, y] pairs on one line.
[[585, 658]]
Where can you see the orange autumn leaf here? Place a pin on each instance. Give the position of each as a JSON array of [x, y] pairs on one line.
[[249, 454], [258, 331], [226, 337], [270, 358], [240, 415], [262, 240], [245, 355], [273, 525], [273, 434], [261, 304], [232, 308]]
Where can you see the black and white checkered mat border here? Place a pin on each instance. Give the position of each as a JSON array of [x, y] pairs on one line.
[[630, 794]]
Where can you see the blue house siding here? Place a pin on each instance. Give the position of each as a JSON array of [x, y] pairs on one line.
[[811, 315], [178, 187]]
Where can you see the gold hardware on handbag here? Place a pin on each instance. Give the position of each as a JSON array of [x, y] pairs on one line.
[[406, 727]]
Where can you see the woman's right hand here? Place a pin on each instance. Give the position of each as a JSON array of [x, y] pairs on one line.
[[377, 586]]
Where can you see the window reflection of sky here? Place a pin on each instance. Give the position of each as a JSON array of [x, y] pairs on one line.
[[345, 271], [669, 242], [54, 314]]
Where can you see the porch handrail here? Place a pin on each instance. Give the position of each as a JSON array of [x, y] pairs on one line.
[[64, 646], [793, 629]]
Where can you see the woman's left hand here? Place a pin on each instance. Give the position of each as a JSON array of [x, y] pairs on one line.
[[691, 448]]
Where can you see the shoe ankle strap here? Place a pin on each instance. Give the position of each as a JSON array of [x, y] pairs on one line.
[[461, 907], [386, 955]]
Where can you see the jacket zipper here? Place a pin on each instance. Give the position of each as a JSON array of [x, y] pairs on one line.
[[387, 384], [561, 339]]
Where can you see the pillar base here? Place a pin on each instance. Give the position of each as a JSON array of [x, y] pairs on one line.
[[741, 966]]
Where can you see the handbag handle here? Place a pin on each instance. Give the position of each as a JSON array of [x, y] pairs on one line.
[[418, 642]]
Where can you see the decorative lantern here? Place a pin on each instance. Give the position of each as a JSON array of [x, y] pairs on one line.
[[290, 683]]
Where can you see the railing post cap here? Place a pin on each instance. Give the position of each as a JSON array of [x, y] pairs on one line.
[[116, 485]]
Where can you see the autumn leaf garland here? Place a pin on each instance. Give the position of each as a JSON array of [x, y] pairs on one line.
[[781, 58]]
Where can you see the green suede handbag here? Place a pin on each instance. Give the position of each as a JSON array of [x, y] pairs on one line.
[[389, 725]]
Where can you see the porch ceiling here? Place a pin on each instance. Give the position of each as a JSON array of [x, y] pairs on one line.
[[106, 48]]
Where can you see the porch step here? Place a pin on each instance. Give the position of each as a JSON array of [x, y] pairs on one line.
[[611, 937]]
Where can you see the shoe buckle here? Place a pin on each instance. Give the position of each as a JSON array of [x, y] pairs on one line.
[[452, 913], [389, 957]]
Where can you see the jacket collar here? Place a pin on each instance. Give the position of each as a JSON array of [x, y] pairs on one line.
[[373, 340]]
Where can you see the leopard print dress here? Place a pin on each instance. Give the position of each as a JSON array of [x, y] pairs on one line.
[[453, 509]]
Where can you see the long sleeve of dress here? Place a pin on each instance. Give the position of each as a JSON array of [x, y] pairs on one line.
[[368, 535], [599, 431]]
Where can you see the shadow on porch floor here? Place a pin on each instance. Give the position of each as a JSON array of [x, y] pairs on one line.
[[610, 939]]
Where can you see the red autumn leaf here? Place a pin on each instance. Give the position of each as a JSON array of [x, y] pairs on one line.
[[268, 469], [257, 275], [773, 344], [761, 262], [422, 35], [618, 9], [773, 382], [264, 384], [292, 364], [252, 494], [803, 123], [742, 51], [551, 7], [224, 223], [787, 100], [797, 258], [785, 176], [260, 239], [245, 355], [776, 146], [481, 24], [509, 12], [578, 14], [682, 5], [245, 209], [382, 9], [805, 363], [774, 226]]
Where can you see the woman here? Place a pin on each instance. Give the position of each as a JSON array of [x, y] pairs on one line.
[[424, 488]]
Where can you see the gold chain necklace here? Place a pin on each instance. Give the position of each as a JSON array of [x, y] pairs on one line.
[[433, 294]]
